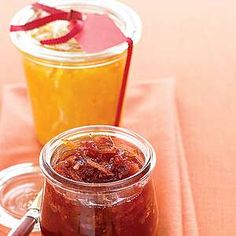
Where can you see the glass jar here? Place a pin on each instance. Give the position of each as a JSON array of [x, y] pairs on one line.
[[119, 208], [74, 88]]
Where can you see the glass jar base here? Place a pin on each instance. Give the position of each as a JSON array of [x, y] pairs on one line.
[[19, 185]]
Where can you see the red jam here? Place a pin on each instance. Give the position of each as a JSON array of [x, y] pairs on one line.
[[98, 159]]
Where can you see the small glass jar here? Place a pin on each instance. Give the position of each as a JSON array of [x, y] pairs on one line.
[[74, 88], [119, 208]]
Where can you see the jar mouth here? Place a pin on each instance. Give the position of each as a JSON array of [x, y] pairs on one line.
[[128, 20], [141, 143]]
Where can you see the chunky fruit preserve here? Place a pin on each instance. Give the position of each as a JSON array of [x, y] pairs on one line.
[[101, 190]]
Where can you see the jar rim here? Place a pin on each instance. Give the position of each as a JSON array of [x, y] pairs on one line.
[[130, 136], [26, 44]]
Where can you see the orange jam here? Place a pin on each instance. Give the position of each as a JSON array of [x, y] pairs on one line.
[[69, 87], [68, 95]]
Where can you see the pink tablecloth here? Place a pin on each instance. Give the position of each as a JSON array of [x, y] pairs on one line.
[[151, 111]]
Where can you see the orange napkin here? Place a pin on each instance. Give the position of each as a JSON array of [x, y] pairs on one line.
[[17, 138], [150, 110]]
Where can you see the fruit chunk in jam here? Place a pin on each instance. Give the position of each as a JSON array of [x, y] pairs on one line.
[[99, 159]]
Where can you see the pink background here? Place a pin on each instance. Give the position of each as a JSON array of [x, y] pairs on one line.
[[194, 41]]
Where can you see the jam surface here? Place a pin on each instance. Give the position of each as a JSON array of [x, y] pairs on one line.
[[98, 159]]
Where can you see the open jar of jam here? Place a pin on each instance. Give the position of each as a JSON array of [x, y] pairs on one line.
[[69, 87], [98, 181]]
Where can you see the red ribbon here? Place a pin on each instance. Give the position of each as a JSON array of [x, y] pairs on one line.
[[124, 81], [74, 17]]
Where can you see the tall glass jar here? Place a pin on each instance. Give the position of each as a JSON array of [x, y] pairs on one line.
[[119, 208], [69, 87]]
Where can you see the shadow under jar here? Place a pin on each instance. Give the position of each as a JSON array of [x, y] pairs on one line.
[[98, 183], [68, 87]]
